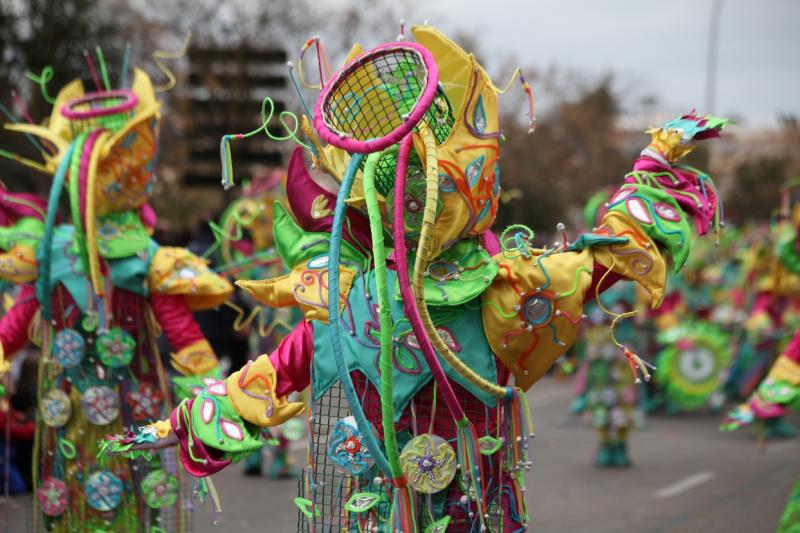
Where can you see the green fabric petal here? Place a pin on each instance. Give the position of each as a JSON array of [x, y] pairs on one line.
[[460, 274], [295, 245]]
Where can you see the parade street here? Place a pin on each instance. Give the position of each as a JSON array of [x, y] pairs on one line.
[[687, 476]]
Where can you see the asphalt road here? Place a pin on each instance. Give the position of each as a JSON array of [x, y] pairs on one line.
[[686, 477]]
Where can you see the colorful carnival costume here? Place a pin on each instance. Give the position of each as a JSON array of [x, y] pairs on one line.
[[415, 315], [774, 271], [96, 292], [611, 398]]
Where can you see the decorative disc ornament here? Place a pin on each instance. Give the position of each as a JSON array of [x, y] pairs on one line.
[[56, 408], [294, 430], [103, 491], [69, 348], [146, 402], [691, 364], [347, 449], [160, 489], [116, 347], [429, 462], [52, 496], [100, 405]]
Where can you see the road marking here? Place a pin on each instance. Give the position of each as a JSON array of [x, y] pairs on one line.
[[685, 484]]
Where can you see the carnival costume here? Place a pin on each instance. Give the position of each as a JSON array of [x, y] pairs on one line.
[[96, 292], [416, 316]]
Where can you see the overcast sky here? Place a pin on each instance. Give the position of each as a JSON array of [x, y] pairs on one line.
[[653, 48]]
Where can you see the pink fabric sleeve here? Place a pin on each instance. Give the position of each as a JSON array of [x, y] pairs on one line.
[[14, 324], [176, 320], [292, 359]]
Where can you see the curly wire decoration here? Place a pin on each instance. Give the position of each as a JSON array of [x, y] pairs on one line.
[[225, 142], [636, 363], [323, 65], [158, 55], [526, 87], [42, 80]]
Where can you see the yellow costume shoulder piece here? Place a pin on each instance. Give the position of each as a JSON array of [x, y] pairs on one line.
[[304, 287], [178, 271], [533, 309], [639, 259]]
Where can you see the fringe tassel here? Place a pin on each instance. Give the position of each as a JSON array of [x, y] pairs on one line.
[[470, 460], [403, 516]]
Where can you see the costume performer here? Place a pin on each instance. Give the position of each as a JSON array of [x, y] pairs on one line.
[[603, 388], [415, 316], [96, 292], [776, 277]]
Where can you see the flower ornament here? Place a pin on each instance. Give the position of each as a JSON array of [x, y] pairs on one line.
[[100, 405], [429, 462], [116, 347], [103, 491], [160, 489], [146, 402], [52, 496], [69, 348], [347, 449], [56, 408]]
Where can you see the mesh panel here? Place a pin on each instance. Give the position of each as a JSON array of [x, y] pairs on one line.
[[333, 488], [375, 95]]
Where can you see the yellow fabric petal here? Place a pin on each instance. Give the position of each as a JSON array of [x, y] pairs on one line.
[[252, 392], [455, 64], [178, 271], [197, 359], [275, 292], [638, 260], [785, 370], [19, 265]]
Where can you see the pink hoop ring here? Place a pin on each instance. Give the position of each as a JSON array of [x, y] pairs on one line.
[[421, 106], [128, 97]]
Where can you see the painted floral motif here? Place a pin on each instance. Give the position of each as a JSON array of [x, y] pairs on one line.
[[160, 489], [52, 496], [146, 402], [116, 347], [346, 447], [429, 462], [69, 348], [56, 408], [100, 405], [103, 491]]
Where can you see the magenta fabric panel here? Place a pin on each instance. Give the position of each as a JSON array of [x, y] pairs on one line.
[[302, 192], [697, 199], [292, 359], [14, 324], [14, 206]]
